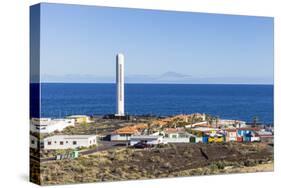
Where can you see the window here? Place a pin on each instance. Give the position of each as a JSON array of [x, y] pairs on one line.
[[32, 142], [49, 143], [74, 142], [125, 135], [61, 142]]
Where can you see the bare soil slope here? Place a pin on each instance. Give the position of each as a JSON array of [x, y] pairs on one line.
[[170, 161]]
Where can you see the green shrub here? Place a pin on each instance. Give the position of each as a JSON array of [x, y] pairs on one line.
[[221, 165], [213, 167], [250, 162]]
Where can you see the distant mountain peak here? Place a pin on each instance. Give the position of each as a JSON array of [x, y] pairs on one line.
[[172, 74]]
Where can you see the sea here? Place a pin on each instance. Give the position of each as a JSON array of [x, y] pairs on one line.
[[240, 102]]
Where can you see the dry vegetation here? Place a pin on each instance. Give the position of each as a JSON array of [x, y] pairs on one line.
[[169, 161], [99, 126]]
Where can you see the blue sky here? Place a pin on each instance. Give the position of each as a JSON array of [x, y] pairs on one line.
[[79, 44]]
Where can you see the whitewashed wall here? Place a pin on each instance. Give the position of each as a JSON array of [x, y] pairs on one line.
[[176, 140], [117, 137], [68, 142]]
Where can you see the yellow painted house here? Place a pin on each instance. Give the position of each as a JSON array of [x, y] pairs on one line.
[[217, 138]]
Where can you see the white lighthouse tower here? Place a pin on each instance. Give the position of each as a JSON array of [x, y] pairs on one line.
[[120, 85]]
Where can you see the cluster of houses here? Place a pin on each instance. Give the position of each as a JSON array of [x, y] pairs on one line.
[[164, 131], [176, 129], [48, 125]]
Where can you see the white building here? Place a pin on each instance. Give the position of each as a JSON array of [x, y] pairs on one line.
[[205, 129], [198, 139], [255, 139], [232, 123], [69, 141], [148, 139], [203, 124], [48, 125], [177, 137], [231, 135], [120, 137], [120, 85]]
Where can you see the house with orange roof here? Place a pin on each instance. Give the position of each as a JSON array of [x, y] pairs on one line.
[[159, 123], [125, 133], [180, 120]]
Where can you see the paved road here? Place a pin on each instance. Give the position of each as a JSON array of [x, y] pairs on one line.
[[105, 146]]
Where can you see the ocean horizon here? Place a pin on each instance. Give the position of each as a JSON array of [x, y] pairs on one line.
[[228, 101], [164, 83]]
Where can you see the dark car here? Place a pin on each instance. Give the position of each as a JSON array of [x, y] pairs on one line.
[[141, 145]]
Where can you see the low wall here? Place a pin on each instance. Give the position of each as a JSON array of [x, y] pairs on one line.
[[176, 140]]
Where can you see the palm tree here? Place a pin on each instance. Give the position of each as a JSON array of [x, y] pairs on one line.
[[175, 122], [192, 119], [149, 127], [255, 121], [208, 118], [217, 121]]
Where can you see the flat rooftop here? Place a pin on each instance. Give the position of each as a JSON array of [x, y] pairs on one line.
[[70, 136]]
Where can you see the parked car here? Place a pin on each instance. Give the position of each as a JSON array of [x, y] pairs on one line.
[[141, 145]]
